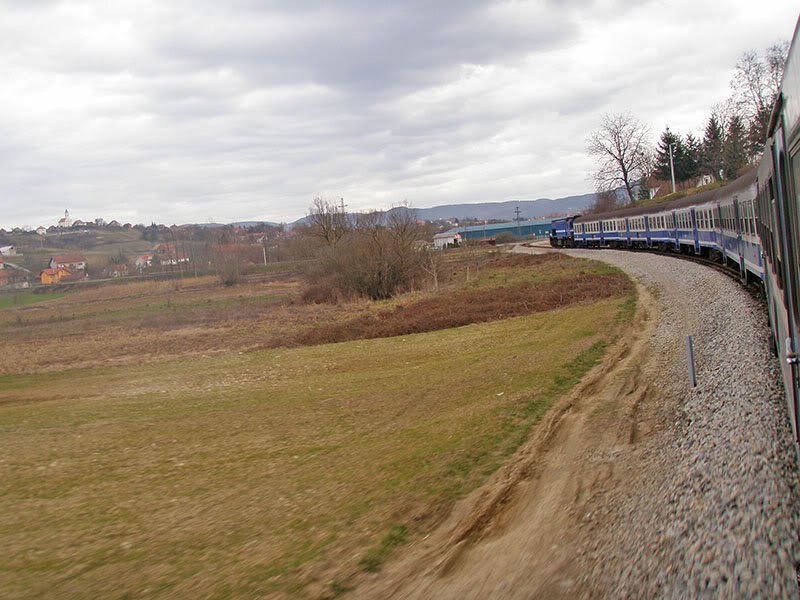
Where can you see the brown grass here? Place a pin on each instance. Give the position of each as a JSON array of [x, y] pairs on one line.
[[190, 467], [466, 307], [156, 321]]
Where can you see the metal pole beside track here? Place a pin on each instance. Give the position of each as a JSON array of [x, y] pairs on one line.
[[690, 355]]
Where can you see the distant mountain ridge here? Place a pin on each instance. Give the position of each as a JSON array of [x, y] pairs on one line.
[[528, 209]]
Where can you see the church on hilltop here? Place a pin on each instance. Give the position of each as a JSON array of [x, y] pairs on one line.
[[65, 221]]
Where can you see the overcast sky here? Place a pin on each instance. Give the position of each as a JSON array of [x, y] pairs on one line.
[[181, 111]]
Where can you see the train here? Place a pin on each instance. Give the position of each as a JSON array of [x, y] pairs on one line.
[[751, 224]]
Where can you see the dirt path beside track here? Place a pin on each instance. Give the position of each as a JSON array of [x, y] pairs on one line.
[[635, 485], [516, 537]]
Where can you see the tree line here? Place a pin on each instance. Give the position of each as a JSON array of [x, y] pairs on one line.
[[733, 136]]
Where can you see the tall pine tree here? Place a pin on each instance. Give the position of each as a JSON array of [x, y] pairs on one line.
[[712, 146], [734, 155], [663, 170], [689, 165]]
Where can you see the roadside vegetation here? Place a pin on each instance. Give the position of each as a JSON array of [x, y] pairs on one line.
[[206, 441]]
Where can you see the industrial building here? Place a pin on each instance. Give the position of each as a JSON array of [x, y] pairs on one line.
[[535, 228]]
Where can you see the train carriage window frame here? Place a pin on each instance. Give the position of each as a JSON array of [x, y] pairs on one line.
[[792, 184]]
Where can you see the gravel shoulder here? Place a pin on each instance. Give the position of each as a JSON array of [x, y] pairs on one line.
[[713, 511], [637, 486]]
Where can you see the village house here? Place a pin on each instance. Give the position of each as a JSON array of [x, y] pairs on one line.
[[144, 260], [165, 249], [448, 238], [55, 275], [167, 254], [116, 271], [173, 259], [41, 230], [69, 261], [8, 251], [12, 278]]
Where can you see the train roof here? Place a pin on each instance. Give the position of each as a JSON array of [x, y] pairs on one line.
[[733, 188]]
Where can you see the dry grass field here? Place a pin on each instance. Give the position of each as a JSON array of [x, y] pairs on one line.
[[208, 442]]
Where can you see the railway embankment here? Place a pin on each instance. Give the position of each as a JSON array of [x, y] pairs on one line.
[[713, 505], [637, 485]]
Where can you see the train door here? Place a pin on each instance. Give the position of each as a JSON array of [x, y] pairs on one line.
[[738, 215], [675, 233], [788, 234]]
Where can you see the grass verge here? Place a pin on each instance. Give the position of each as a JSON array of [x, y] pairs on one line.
[[273, 472]]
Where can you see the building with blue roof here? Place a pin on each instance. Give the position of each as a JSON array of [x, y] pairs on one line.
[[533, 228]]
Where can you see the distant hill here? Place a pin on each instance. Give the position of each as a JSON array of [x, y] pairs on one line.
[[253, 223], [236, 224], [528, 209]]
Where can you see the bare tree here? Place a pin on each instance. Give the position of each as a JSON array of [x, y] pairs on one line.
[[432, 263], [328, 221], [604, 202], [622, 150], [755, 85], [756, 80], [377, 258], [750, 85], [776, 61]]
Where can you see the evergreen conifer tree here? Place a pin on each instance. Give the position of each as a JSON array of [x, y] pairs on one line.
[[735, 148], [712, 146], [689, 165], [662, 166]]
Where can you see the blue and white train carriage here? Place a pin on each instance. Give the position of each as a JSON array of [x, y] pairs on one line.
[[719, 224], [752, 223]]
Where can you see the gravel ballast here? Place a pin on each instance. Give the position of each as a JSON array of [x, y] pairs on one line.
[[715, 507]]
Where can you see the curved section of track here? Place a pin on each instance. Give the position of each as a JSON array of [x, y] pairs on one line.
[[670, 492]]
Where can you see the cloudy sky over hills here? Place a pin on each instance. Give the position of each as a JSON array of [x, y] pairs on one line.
[[186, 111]]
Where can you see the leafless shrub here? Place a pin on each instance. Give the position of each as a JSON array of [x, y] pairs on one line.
[[324, 292], [230, 266], [377, 258]]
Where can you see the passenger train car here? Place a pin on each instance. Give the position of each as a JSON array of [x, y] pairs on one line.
[[752, 224]]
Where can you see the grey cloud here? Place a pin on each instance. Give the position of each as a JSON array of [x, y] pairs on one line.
[[179, 110]]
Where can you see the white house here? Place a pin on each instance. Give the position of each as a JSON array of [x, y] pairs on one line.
[[448, 238], [41, 230], [68, 261], [144, 260], [8, 251]]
